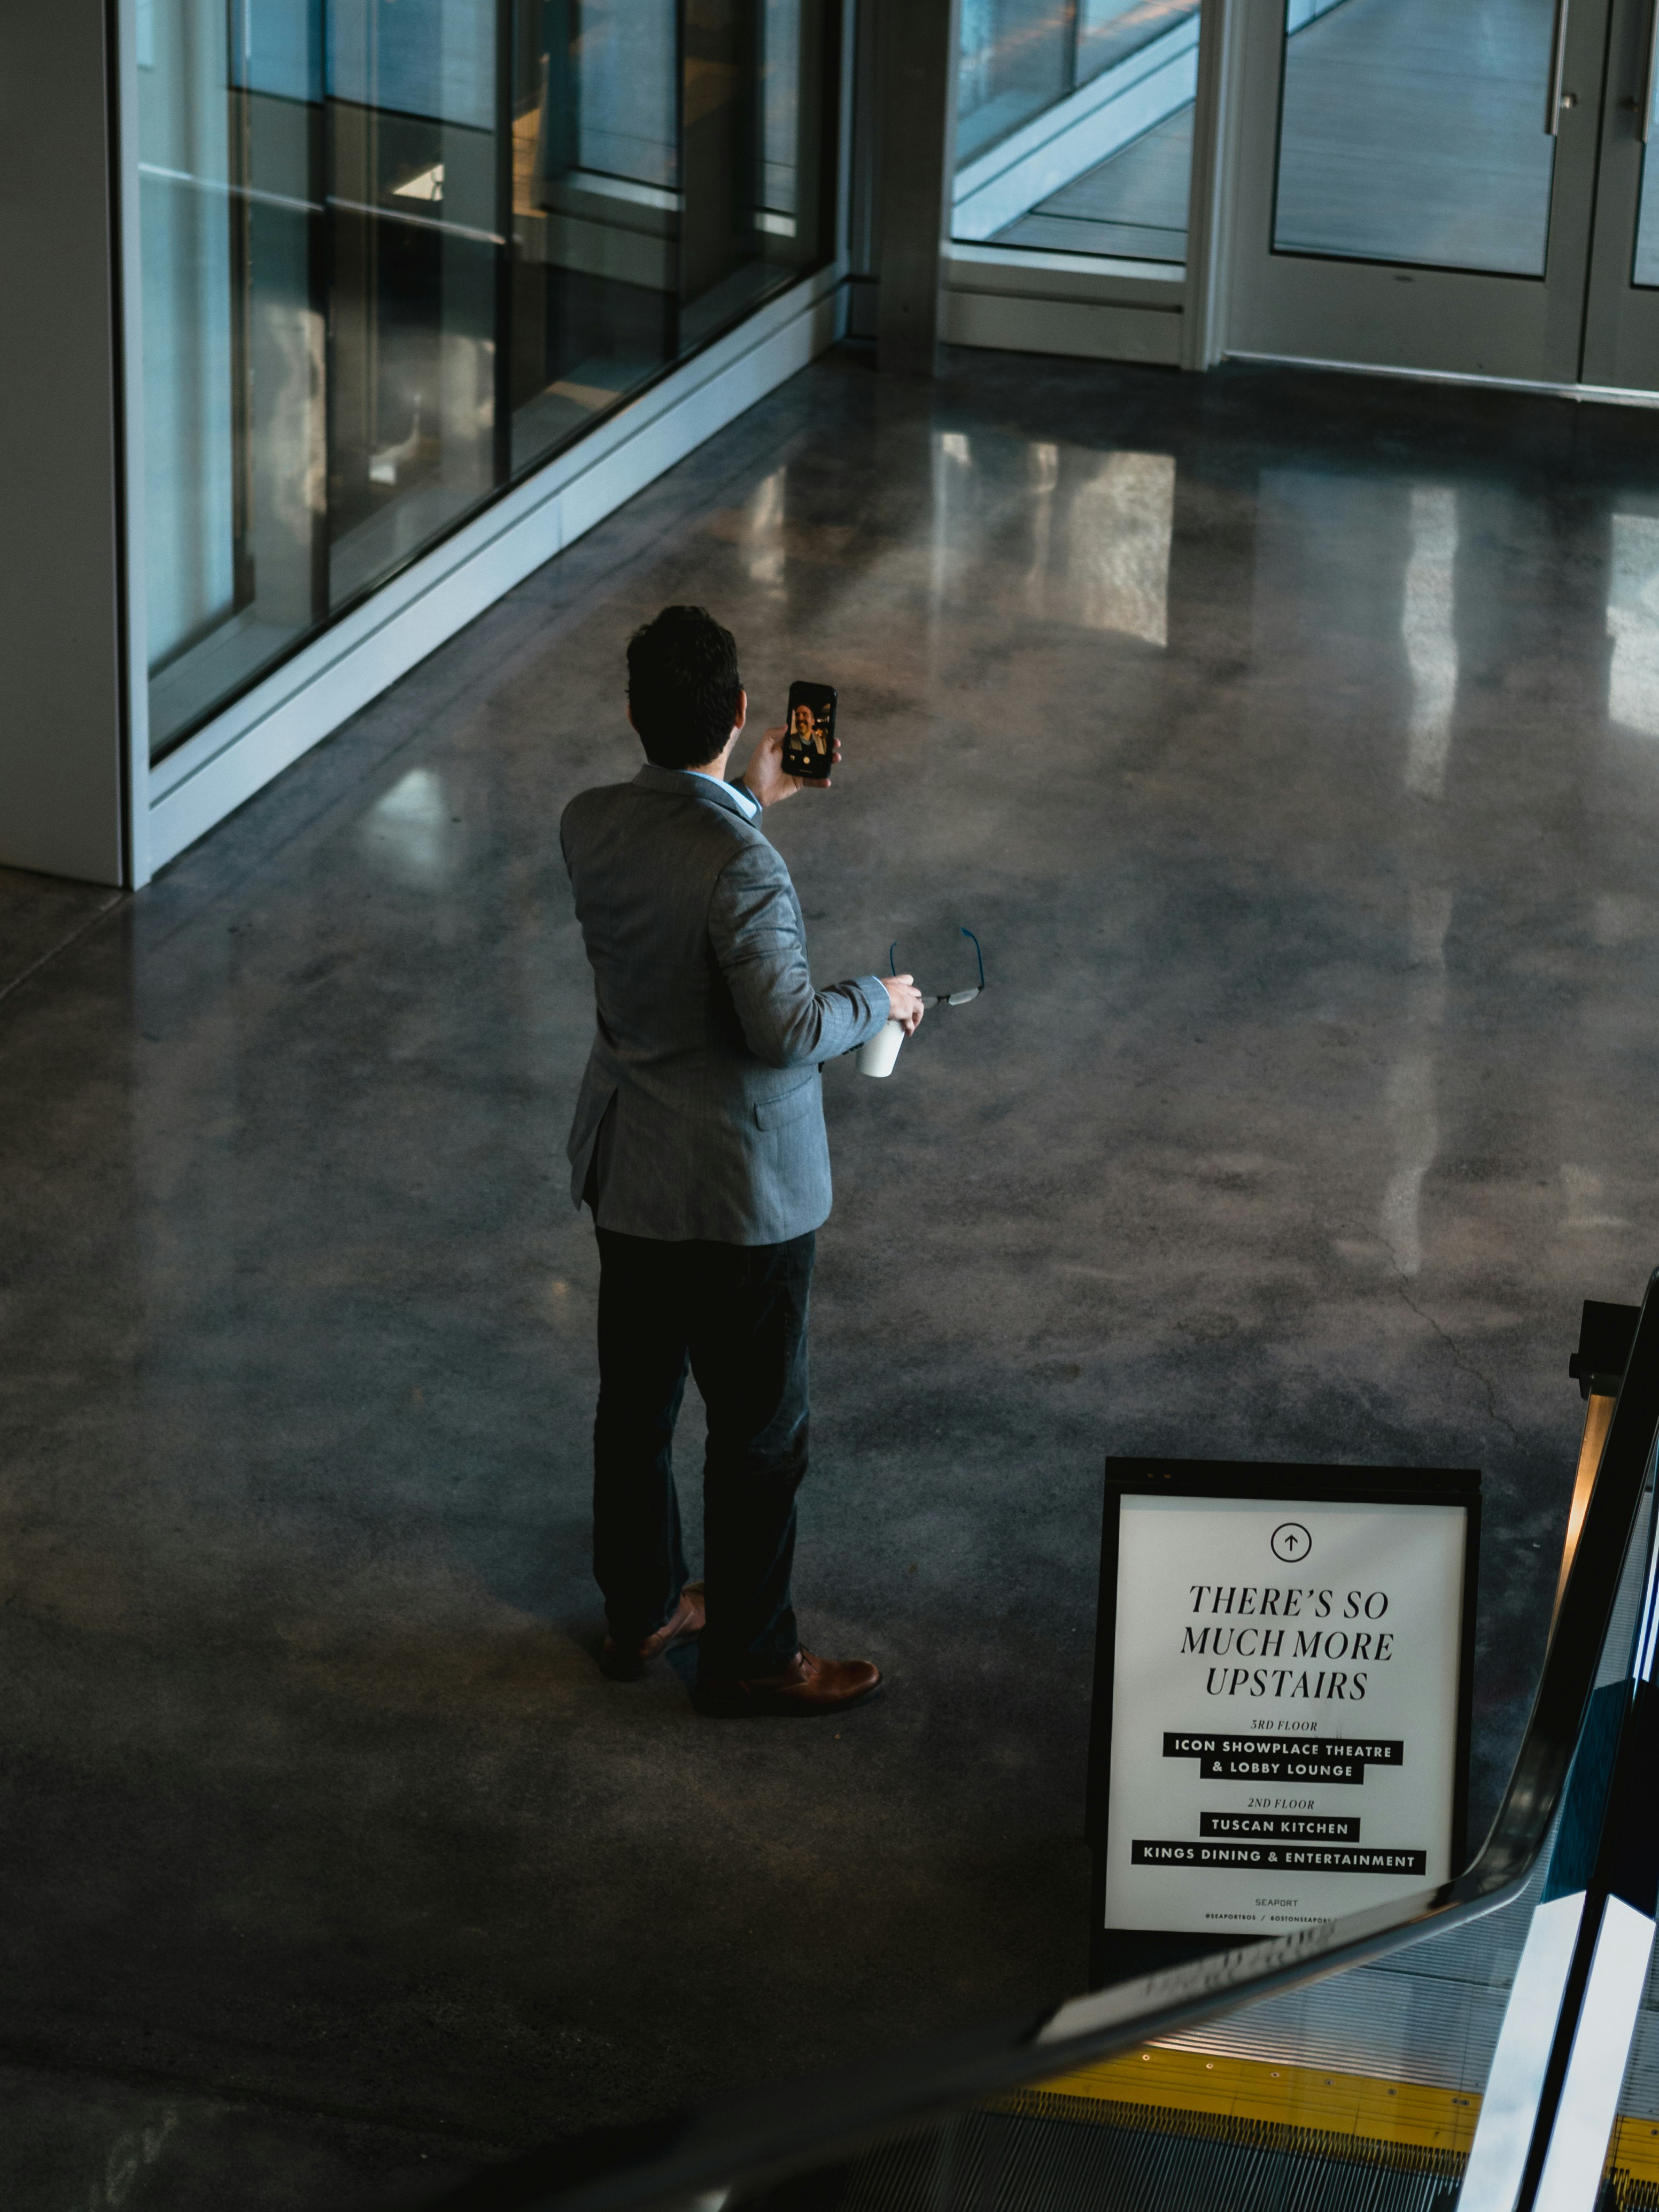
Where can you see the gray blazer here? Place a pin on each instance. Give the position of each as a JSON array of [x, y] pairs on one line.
[[702, 1108]]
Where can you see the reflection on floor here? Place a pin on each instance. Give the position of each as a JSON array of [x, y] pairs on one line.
[[1292, 747]]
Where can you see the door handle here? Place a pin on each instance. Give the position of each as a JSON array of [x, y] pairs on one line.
[[1646, 116], [1558, 69]]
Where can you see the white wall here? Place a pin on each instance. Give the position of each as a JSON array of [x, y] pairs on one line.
[[60, 727]]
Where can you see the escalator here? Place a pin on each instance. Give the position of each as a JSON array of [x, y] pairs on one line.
[[1492, 2044]]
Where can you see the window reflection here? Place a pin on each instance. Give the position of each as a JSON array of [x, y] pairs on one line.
[[1122, 520], [393, 251], [1633, 623], [1412, 1120], [1101, 531], [956, 493], [767, 555], [1414, 1129], [1427, 624], [1042, 459], [1585, 1192], [409, 833]]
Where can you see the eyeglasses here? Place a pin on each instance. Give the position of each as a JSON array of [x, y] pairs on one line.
[[946, 998]]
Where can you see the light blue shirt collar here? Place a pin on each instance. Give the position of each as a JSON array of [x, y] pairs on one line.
[[745, 799]]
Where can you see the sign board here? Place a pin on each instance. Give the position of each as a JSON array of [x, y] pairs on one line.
[[1282, 1693]]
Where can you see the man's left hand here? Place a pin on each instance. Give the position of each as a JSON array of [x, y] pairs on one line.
[[764, 778]]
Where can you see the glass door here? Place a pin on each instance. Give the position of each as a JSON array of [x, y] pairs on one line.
[[1621, 335], [1419, 185]]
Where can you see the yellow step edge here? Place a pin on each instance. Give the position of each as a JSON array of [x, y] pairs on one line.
[[1263, 2093], [1636, 2149], [1257, 2092]]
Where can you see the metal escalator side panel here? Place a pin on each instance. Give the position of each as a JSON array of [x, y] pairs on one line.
[[1583, 1618], [1606, 1983], [1598, 1419], [1509, 2111], [1515, 2086], [1588, 2104], [1578, 1836]]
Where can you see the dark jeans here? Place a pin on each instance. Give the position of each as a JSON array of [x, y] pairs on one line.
[[735, 1315]]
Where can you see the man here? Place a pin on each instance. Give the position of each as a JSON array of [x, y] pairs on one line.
[[699, 1143], [804, 727]]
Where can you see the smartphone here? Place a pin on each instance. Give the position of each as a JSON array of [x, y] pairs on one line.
[[809, 744]]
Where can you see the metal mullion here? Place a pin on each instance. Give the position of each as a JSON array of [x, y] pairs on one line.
[[1558, 69], [1602, 1998], [240, 216], [681, 177], [501, 431], [320, 269]]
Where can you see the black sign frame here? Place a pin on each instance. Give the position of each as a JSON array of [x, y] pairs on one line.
[[1115, 1954]]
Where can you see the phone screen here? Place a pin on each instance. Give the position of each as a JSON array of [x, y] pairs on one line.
[[809, 744]]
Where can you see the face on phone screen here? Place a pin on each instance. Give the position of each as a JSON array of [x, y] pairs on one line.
[[809, 741]]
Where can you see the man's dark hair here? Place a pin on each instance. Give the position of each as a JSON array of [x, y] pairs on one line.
[[683, 686]]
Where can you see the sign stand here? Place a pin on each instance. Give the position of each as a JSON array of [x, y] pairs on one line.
[[1284, 1670]]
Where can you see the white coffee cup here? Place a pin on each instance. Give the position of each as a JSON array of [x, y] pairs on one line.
[[877, 1057]]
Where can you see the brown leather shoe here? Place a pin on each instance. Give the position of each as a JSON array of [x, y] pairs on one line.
[[808, 1688], [629, 1662]]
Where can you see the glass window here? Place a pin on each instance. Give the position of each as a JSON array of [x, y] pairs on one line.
[[1074, 125], [394, 252], [233, 311], [415, 236], [1413, 131]]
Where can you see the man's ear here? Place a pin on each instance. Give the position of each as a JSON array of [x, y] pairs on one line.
[[632, 724], [743, 711]]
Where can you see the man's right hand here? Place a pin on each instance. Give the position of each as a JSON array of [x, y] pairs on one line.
[[904, 1002]]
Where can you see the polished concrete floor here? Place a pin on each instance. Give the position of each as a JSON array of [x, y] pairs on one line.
[[40, 917], [1292, 745]]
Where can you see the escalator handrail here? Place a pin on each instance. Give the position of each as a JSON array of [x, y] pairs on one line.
[[753, 2139]]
